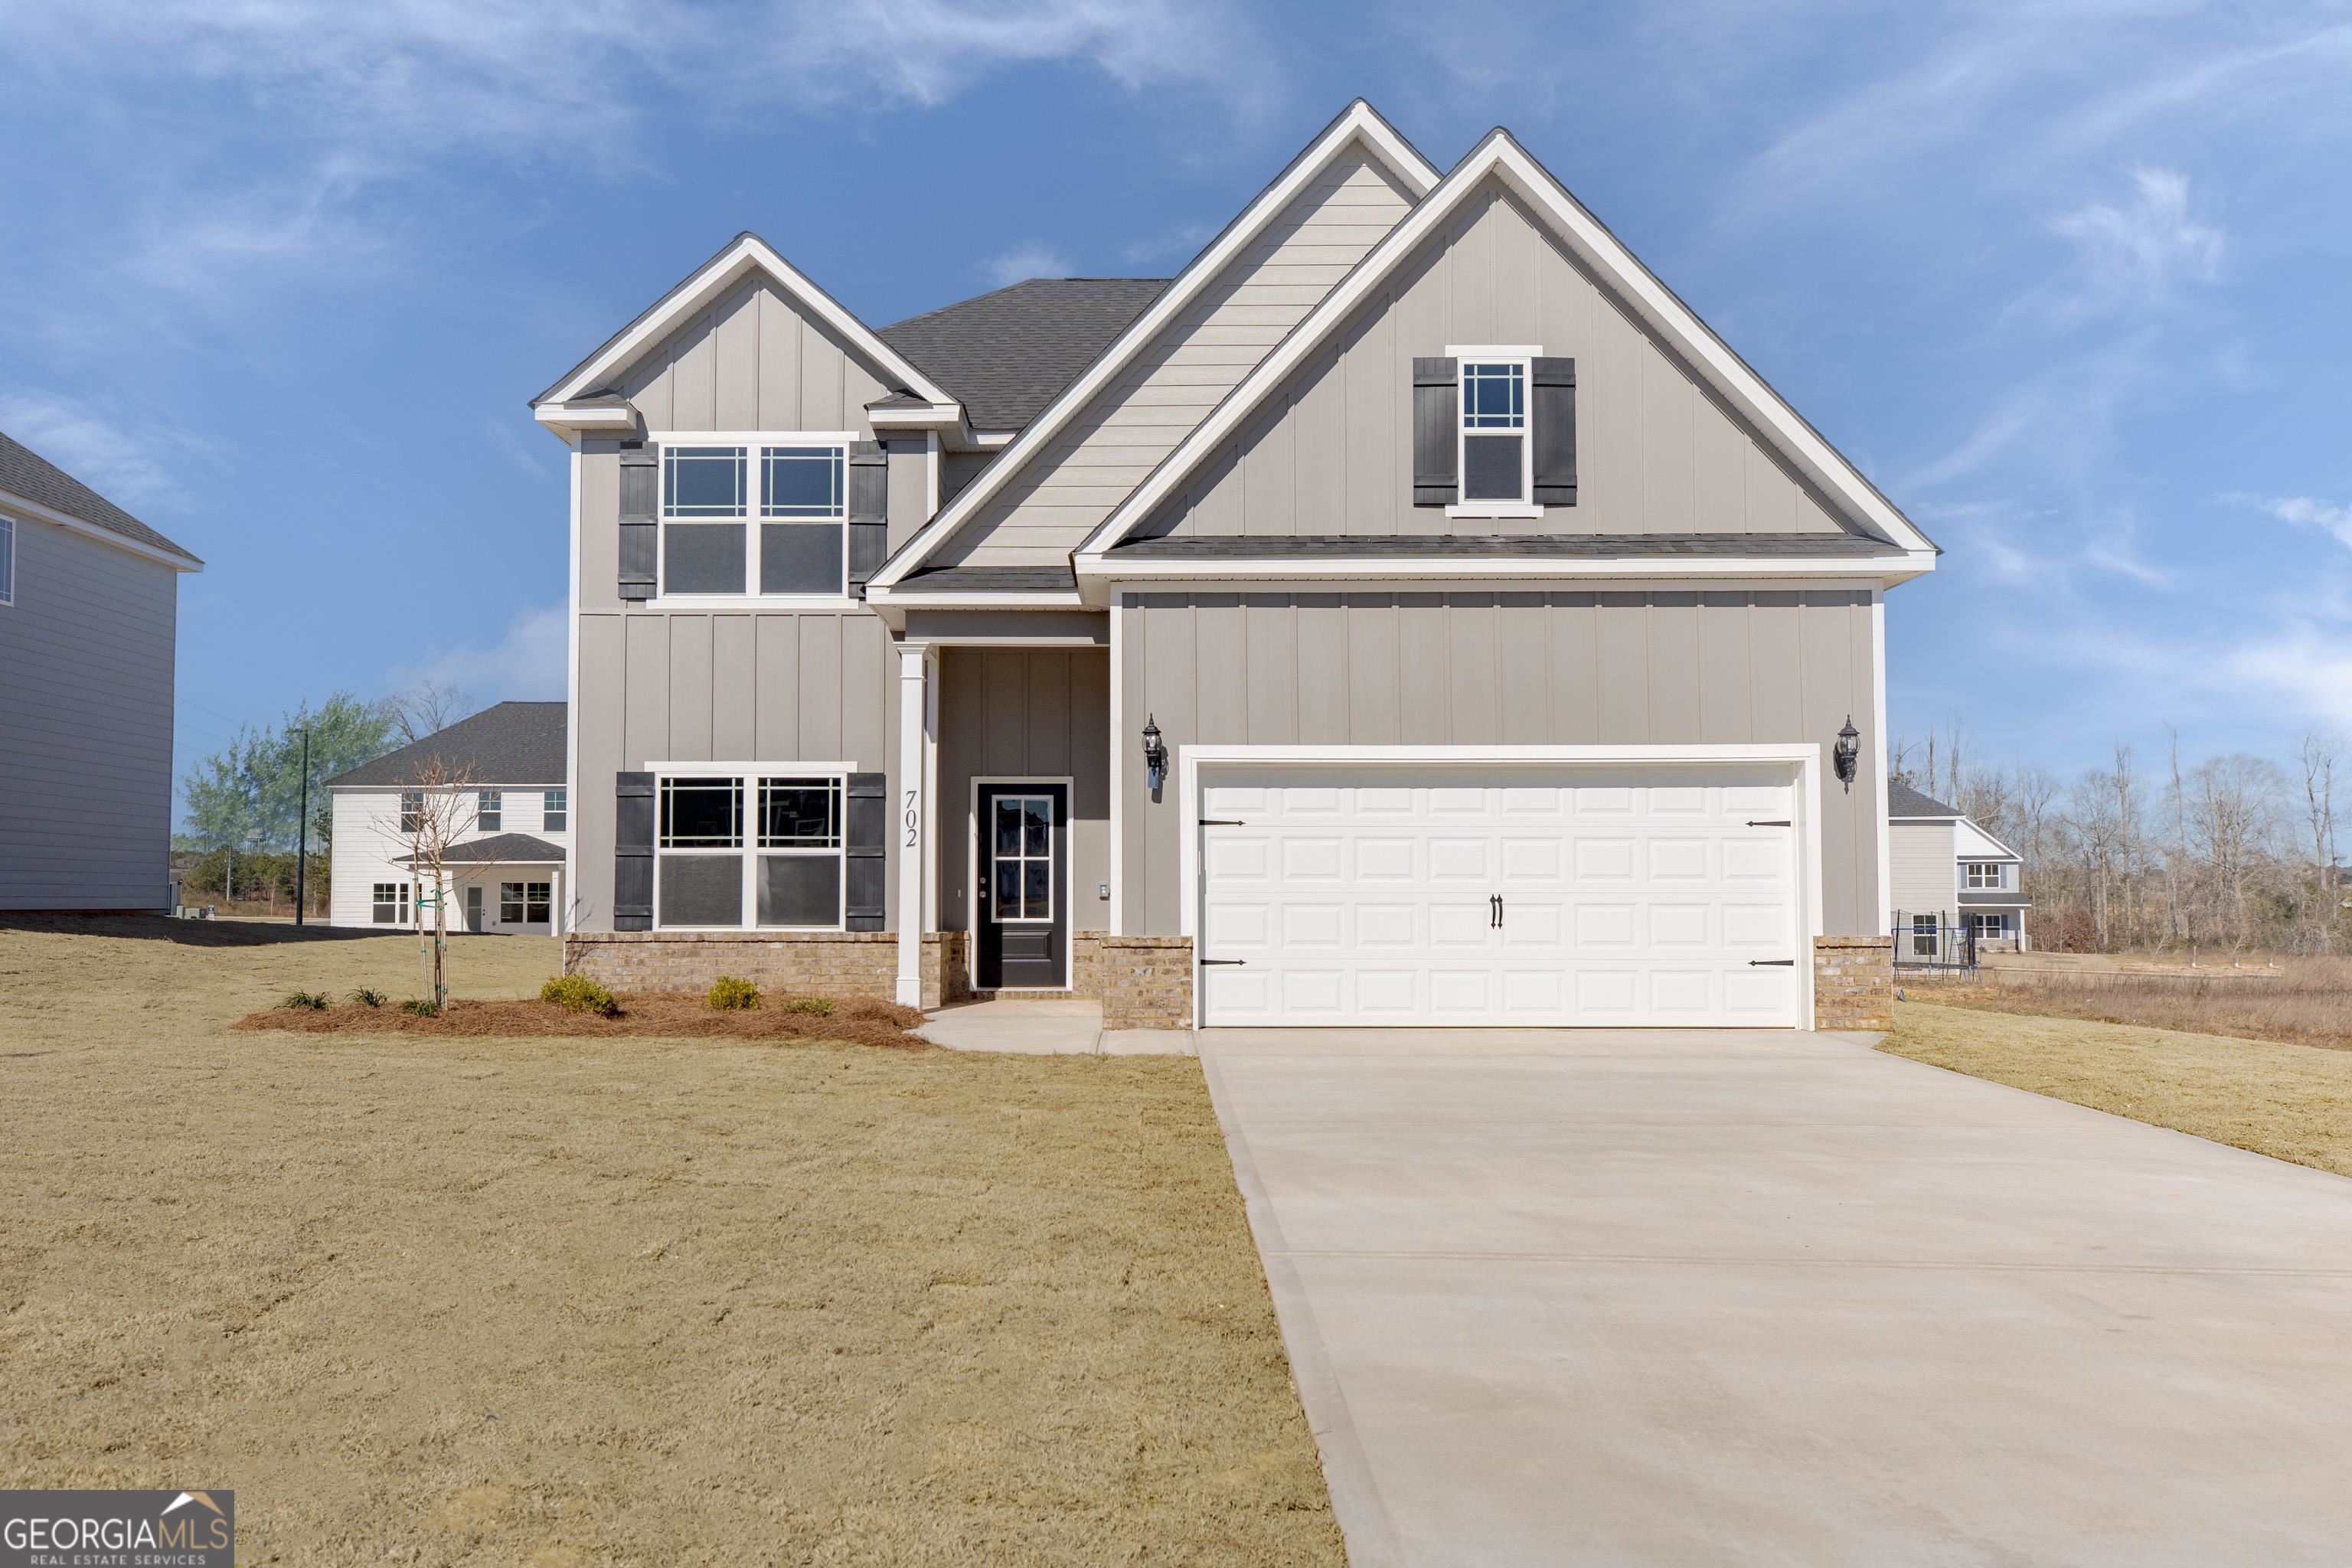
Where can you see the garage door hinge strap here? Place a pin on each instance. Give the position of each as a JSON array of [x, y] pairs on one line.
[[1223, 821], [1753, 823], [1206, 961], [1782, 963]]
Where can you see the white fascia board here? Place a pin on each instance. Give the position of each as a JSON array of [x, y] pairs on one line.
[[1097, 575], [1600, 250], [746, 255], [1357, 124], [568, 423], [14, 505], [974, 599]]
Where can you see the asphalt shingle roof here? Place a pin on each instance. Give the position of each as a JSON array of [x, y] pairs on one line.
[[498, 849], [1901, 800], [24, 472], [1006, 356], [510, 743]]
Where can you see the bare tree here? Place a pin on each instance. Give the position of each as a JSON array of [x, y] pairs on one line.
[[436, 810], [2316, 754], [425, 708]]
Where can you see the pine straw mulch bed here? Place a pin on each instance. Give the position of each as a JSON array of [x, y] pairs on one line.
[[856, 1021]]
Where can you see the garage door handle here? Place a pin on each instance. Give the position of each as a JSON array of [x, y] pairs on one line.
[[1782, 822], [1782, 963], [1206, 961]]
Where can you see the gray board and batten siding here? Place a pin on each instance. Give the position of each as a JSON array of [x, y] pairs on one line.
[[1332, 453], [1498, 668]]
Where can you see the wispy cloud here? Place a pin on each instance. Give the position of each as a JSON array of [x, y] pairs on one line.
[[154, 466], [527, 663], [2135, 254], [2303, 511], [1176, 244], [1024, 261]]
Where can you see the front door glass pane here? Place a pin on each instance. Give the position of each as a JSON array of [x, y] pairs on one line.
[[1022, 880]]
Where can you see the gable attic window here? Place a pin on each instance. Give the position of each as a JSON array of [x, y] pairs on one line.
[[1494, 452], [762, 515]]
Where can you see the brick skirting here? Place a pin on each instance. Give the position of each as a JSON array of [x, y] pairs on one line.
[[1853, 982], [1142, 981]]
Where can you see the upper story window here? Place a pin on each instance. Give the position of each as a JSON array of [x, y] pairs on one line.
[[490, 810], [8, 561], [412, 810], [755, 516], [1985, 874], [1494, 454], [555, 810]]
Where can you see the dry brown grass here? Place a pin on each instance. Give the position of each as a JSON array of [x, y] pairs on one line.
[[484, 1300], [649, 1015], [2285, 1100], [2302, 1001]]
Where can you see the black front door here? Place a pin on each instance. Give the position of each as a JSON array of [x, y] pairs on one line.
[[1021, 903]]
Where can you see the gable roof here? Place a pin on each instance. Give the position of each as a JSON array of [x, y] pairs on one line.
[[1358, 126], [1658, 308], [1005, 354], [498, 849], [59, 497], [510, 744], [741, 256], [1903, 801]]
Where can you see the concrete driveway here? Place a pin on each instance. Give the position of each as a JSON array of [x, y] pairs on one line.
[[1745, 1298]]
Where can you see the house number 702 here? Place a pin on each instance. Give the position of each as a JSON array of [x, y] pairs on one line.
[[913, 818]]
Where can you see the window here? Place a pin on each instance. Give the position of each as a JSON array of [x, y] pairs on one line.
[[778, 865], [1989, 928], [1022, 853], [1495, 454], [8, 561], [412, 809], [524, 903], [1923, 936], [555, 810], [490, 810], [390, 903], [764, 517], [1984, 873]]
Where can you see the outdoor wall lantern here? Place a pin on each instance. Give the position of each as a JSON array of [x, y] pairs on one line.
[[1847, 752], [1155, 756]]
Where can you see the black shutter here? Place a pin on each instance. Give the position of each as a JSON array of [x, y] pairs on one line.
[[632, 852], [640, 506], [1553, 408], [1436, 422], [869, 505], [865, 825]]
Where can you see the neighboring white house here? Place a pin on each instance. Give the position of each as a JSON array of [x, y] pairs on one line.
[[515, 822], [1949, 872]]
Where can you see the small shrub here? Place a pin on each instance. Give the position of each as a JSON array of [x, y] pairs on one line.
[[368, 996], [580, 994], [307, 1001], [420, 1007], [728, 992], [820, 1006]]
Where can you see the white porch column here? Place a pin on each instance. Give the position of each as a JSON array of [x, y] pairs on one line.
[[911, 827]]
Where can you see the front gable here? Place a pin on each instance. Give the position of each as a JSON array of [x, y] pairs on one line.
[[753, 360], [1329, 452]]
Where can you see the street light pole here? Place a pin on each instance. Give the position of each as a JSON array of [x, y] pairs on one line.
[[302, 842]]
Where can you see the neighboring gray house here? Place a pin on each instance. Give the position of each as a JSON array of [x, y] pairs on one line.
[[89, 615], [513, 825], [1949, 872], [1409, 613]]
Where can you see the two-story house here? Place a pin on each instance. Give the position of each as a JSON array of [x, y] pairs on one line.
[[88, 627], [511, 826], [1409, 613], [1950, 873]]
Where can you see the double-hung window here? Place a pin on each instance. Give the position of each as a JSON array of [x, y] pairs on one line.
[[1989, 928], [1496, 458], [524, 903], [749, 850], [765, 515], [490, 810], [412, 810], [390, 902], [555, 810], [1984, 873]]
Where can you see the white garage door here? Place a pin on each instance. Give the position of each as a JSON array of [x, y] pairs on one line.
[[1487, 894]]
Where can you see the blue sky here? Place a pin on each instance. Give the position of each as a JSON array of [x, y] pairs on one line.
[[2068, 279]]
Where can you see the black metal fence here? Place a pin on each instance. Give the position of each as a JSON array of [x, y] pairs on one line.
[[1934, 941]]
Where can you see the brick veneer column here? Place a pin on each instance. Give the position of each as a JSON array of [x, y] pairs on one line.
[[1853, 982]]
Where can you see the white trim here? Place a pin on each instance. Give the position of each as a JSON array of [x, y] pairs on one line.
[[1117, 773], [572, 796], [1596, 248], [747, 254], [1804, 759], [1069, 868], [747, 778], [568, 422], [910, 818], [1418, 571], [1357, 124], [933, 459], [33, 511], [1524, 355], [976, 599], [776, 767], [753, 520], [1878, 740], [8, 559]]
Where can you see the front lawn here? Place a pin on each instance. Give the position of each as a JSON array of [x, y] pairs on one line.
[[618, 1300], [2293, 1102]]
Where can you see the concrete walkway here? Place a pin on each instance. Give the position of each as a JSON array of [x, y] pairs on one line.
[[1714, 1297], [1047, 1028]]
